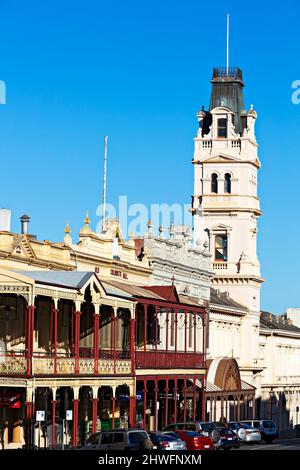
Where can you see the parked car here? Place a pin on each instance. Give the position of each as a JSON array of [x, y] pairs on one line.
[[238, 429], [164, 441], [207, 429], [228, 439], [196, 441], [253, 435], [267, 428], [119, 439]]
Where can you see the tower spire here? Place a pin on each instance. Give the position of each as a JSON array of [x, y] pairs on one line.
[[227, 43]]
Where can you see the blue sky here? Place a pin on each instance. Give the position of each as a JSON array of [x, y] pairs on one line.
[[139, 71]]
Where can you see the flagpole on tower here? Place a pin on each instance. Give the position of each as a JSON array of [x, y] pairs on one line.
[[227, 44], [104, 187]]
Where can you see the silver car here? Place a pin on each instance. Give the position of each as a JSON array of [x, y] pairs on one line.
[[267, 428], [253, 435], [167, 441]]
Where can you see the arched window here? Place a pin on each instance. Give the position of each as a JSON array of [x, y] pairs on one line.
[[227, 185], [214, 183]]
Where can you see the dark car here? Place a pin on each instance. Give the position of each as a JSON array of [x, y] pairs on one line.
[[228, 439], [119, 439]]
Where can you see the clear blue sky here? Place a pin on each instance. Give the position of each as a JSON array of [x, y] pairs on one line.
[[139, 71]]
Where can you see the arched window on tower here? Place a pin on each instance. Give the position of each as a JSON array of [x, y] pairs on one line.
[[227, 183], [214, 183]]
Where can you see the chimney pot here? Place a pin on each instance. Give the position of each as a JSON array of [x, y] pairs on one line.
[[25, 219]]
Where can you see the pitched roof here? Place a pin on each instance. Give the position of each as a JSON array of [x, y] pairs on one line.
[[69, 279], [269, 321], [222, 299]]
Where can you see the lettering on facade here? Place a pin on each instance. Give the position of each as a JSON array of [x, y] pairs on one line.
[[115, 272]]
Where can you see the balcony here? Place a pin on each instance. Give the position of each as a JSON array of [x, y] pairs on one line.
[[13, 364], [220, 266], [168, 360]]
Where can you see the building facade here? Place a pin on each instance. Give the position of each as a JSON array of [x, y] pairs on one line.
[[99, 354]]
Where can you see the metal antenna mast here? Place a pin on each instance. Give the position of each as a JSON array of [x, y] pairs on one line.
[[104, 186], [227, 44]]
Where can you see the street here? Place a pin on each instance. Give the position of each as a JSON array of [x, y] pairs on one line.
[[278, 444]]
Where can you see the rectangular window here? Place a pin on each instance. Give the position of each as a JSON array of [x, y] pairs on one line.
[[221, 248], [222, 128]]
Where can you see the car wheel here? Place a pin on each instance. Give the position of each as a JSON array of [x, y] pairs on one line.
[[146, 445], [216, 435]]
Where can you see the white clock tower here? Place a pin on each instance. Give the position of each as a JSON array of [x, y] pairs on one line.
[[225, 202]]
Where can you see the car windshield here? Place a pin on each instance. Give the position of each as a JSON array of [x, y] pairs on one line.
[[225, 432], [246, 426], [172, 434], [208, 426], [162, 437], [191, 434], [268, 424]]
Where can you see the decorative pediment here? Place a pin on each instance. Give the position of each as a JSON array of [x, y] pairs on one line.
[[219, 227], [221, 158], [22, 247]]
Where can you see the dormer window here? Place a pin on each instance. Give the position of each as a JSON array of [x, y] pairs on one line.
[[221, 248], [222, 128], [227, 183], [214, 183]]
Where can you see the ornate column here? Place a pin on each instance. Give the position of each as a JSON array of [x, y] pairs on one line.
[[184, 399], [113, 405], [96, 337], [77, 336], [75, 416], [167, 403], [54, 311], [176, 332], [194, 398], [30, 333], [29, 437], [167, 328], [132, 341], [195, 332], [145, 405], [95, 400], [239, 408], [115, 338], [145, 325], [156, 333], [185, 314], [155, 403], [53, 418], [175, 400], [132, 403]]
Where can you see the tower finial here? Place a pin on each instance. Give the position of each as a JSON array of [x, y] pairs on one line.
[[227, 44]]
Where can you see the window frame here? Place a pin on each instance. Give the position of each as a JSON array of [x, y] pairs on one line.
[[214, 183], [223, 127], [224, 248]]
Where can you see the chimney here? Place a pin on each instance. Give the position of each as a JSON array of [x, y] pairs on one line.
[[24, 224], [5, 217]]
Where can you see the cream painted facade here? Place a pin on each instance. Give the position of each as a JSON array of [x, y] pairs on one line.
[[226, 206], [107, 254]]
